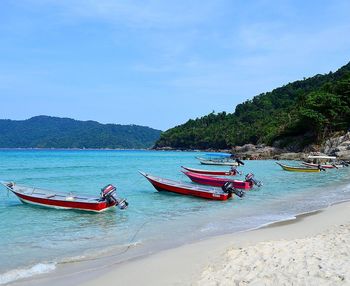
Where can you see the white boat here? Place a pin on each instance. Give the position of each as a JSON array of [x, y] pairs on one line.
[[217, 162], [223, 159], [326, 162]]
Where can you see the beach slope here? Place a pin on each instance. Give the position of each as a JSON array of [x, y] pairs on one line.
[[313, 249]]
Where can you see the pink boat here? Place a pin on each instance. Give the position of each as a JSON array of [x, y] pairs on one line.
[[232, 172], [219, 182]]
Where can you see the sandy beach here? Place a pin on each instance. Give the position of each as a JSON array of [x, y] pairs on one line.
[[313, 249]]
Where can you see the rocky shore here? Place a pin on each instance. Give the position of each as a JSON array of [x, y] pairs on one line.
[[338, 146]]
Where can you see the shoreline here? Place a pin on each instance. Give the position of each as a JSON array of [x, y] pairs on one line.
[[280, 155], [173, 267]]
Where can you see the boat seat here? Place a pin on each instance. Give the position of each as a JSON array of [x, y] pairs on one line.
[[50, 196]]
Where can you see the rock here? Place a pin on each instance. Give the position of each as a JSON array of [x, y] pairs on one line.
[[337, 146], [345, 143], [343, 155], [250, 151], [292, 156], [340, 148], [244, 148]]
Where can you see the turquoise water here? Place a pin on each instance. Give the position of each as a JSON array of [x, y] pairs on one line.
[[34, 240]]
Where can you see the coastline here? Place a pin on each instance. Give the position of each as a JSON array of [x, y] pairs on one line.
[[252, 153], [190, 263]]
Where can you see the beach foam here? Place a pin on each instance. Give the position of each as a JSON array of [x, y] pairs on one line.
[[21, 273]]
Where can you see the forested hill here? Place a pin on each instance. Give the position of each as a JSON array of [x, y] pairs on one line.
[[54, 132], [293, 116]]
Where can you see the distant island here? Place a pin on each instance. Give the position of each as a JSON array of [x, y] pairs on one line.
[[293, 117], [54, 132]]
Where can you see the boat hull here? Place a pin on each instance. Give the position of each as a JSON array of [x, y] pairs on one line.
[[217, 162], [165, 185], [209, 172], [298, 169], [50, 199], [325, 166], [217, 182], [60, 204]]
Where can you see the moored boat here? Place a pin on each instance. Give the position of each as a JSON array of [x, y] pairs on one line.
[[219, 181], [212, 193], [299, 169], [60, 200], [326, 162], [218, 162], [232, 172], [222, 159], [325, 166]]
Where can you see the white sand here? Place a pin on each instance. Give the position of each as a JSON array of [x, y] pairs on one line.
[[314, 249], [323, 259]]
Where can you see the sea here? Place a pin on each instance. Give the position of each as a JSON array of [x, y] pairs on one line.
[[36, 240]]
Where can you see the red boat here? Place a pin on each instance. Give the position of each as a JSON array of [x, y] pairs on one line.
[[52, 199], [167, 185], [219, 182], [233, 172]]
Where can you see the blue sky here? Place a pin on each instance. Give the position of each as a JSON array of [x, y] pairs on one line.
[[160, 63]]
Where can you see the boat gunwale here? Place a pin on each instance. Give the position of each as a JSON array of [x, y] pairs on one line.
[[208, 172], [169, 182], [75, 199], [301, 169]]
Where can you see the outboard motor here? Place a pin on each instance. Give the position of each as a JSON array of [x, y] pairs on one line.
[[122, 203], [108, 193], [228, 188], [233, 171], [239, 162], [321, 168], [250, 178]]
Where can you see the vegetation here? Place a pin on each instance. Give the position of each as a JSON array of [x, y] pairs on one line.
[[293, 116], [54, 132]]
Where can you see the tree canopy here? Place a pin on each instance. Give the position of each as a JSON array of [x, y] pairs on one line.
[[54, 132], [292, 116]]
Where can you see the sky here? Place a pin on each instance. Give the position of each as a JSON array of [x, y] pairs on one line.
[[160, 63]]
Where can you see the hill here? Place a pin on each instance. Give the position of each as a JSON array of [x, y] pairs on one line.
[[54, 132], [293, 116]]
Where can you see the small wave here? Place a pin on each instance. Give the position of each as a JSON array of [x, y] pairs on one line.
[[22, 273], [285, 219], [208, 228], [103, 253]]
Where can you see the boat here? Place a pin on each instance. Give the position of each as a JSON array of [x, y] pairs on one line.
[[232, 172], [204, 161], [299, 169], [47, 198], [212, 193], [219, 181], [220, 162], [222, 159], [327, 162], [325, 166]]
